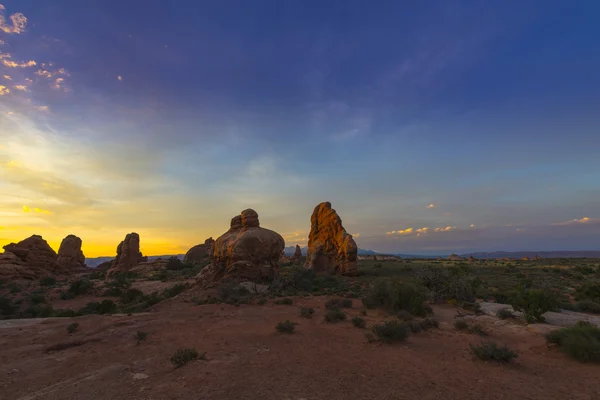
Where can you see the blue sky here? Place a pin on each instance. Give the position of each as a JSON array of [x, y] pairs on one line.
[[432, 127]]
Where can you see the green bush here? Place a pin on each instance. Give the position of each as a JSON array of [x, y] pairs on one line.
[[119, 285], [338, 303], [173, 290], [175, 264], [505, 313], [587, 306], [491, 351], [48, 281], [335, 315], [105, 307], [415, 326], [14, 288], [80, 286], [261, 301], [232, 293], [36, 298], [430, 323], [534, 302], [307, 312], [581, 342], [394, 295], [461, 325], [140, 336], [285, 301], [7, 308], [285, 327], [359, 322], [391, 331], [478, 330], [183, 356], [71, 328], [38, 311], [588, 291], [449, 283]]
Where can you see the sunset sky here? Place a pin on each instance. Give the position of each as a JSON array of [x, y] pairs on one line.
[[431, 126]]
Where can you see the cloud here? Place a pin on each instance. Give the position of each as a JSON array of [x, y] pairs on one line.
[[8, 78], [44, 73], [4, 90], [120, 77], [446, 229], [431, 206], [584, 220], [17, 25], [22, 88], [43, 108], [356, 235], [24, 64], [406, 231], [472, 226], [26, 209]]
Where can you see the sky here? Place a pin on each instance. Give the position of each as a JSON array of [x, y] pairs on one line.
[[432, 127]]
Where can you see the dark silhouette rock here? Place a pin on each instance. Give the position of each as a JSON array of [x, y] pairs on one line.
[[70, 255], [128, 255], [201, 253]]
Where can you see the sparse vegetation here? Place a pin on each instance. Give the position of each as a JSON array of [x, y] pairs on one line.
[[261, 301], [76, 288], [104, 307], [285, 327], [493, 352], [505, 313], [285, 301], [183, 356], [173, 290], [338, 303], [140, 336], [335, 315], [359, 322], [461, 325], [307, 312], [48, 281], [37, 298], [72, 328], [534, 303], [391, 331], [581, 342], [394, 295]]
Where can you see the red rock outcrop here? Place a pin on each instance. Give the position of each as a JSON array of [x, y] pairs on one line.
[[246, 252], [297, 253], [201, 253], [472, 259], [454, 257], [330, 247], [70, 255], [128, 255], [29, 259]]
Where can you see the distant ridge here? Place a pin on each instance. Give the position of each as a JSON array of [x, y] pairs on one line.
[[533, 254], [289, 251]]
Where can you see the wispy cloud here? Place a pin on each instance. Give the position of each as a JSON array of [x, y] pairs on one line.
[[17, 25], [4, 90], [401, 232], [8, 78], [14, 64], [445, 229], [431, 206], [22, 88], [584, 220]]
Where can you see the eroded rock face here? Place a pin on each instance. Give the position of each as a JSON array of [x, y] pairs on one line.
[[70, 255], [29, 259], [330, 247], [201, 253], [246, 252], [128, 255], [297, 253]]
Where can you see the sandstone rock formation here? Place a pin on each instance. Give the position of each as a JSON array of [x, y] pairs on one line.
[[147, 267], [472, 259], [330, 247], [454, 257], [70, 255], [297, 253], [128, 255], [246, 252], [201, 253], [29, 259]]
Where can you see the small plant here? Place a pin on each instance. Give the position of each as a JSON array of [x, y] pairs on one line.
[[261, 301], [534, 303], [14, 288], [140, 336], [48, 281], [359, 322], [391, 331], [183, 356], [461, 325], [72, 328], [335, 315], [505, 313], [581, 341], [80, 286], [105, 307], [430, 323], [363, 312], [307, 312], [173, 290], [285, 327], [478, 330], [37, 298], [394, 295], [491, 351], [415, 326], [338, 303], [284, 301]]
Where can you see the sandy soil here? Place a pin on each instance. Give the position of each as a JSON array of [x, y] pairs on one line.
[[247, 359]]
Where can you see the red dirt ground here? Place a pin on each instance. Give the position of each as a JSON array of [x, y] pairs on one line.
[[248, 359]]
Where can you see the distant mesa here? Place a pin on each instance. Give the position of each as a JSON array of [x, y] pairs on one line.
[[454, 257], [201, 253], [246, 252], [70, 256], [128, 255], [472, 259], [330, 248], [28, 259], [378, 257]]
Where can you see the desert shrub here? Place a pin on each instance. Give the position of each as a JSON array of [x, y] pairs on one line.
[[491, 351], [359, 322], [335, 315], [66, 295], [80, 286], [14, 288], [502, 298], [449, 283], [587, 306], [37, 298], [307, 312], [98, 274], [461, 325], [175, 264], [261, 301], [588, 291], [131, 296], [391, 331], [475, 307], [284, 301], [415, 326], [394, 295], [233, 293], [7, 308], [285, 327], [48, 281], [160, 275], [105, 307], [505, 313], [142, 302], [478, 330], [66, 313], [363, 312], [72, 328], [37, 311], [534, 302], [581, 342], [338, 303], [140, 336], [183, 356], [173, 290], [430, 323]]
